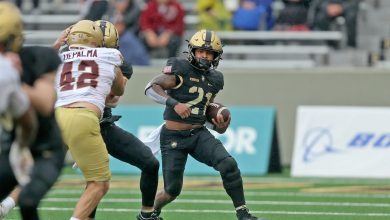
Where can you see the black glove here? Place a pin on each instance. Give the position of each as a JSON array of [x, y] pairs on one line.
[[127, 70]]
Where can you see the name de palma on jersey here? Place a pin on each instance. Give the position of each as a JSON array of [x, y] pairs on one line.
[[79, 53]]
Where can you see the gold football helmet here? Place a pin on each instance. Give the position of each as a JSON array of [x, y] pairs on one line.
[[11, 27], [111, 36], [206, 40], [85, 33]]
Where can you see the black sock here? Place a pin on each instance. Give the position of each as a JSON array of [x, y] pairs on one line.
[[146, 214], [29, 213]]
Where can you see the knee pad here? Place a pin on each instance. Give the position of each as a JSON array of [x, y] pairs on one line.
[[28, 201], [173, 185], [226, 165], [151, 166], [231, 175]]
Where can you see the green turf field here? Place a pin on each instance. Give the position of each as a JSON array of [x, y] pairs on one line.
[[275, 197]]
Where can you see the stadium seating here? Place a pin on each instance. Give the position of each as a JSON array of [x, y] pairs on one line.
[[267, 46]]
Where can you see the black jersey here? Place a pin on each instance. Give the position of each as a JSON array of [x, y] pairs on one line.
[[36, 62], [196, 87]]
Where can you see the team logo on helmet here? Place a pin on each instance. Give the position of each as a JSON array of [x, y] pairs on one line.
[[85, 33]]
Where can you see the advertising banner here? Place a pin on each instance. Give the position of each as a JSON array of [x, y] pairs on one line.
[[342, 142], [248, 139]]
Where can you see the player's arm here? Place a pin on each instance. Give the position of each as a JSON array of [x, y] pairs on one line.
[[156, 91], [25, 117], [61, 40], [118, 86], [42, 95], [27, 125]]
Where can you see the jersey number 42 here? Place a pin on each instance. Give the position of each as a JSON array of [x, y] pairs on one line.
[[88, 73]]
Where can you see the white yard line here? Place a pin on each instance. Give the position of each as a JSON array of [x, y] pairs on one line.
[[231, 211], [247, 193], [209, 201]]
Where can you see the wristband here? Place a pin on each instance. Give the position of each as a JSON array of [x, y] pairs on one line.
[[171, 102]]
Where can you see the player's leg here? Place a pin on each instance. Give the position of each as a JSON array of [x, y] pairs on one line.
[[210, 151], [174, 157], [46, 170], [128, 148], [7, 184], [89, 151], [8, 180]]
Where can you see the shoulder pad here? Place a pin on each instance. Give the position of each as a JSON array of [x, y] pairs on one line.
[[38, 60], [111, 55], [176, 66], [216, 78]]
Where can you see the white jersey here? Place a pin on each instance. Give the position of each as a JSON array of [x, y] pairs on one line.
[[13, 102], [86, 75]]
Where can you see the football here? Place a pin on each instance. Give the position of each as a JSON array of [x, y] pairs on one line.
[[213, 109]]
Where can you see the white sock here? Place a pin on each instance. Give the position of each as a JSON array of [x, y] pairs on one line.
[[73, 218], [8, 204]]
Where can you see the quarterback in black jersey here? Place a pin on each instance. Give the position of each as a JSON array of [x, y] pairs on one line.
[[39, 66], [186, 87]]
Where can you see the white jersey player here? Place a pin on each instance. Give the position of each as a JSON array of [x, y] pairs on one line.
[[14, 104], [87, 76]]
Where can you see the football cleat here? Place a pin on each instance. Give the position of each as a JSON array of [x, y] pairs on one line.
[[154, 216], [243, 214]]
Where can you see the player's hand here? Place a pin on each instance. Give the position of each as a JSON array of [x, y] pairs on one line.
[[112, 100], [21, 162], [220, 123], [182, 110], [61, 40]]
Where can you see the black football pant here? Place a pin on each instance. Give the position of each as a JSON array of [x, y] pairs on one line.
[[128, 148], [47, 168], [205, 148]]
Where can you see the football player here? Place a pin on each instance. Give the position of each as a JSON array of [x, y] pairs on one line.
[[87, 76], [186, 87], [122, 144], [39, 66]]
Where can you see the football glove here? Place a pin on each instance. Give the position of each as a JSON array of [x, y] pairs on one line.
[[21, 162]]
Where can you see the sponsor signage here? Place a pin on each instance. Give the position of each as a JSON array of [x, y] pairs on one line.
[[248, 139], [342, 142]]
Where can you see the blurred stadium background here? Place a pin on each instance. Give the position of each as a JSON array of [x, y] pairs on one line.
[[264, 86]]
